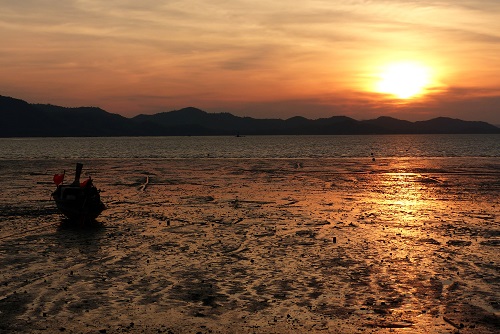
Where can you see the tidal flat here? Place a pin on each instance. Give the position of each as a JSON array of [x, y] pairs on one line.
[[348, 245]]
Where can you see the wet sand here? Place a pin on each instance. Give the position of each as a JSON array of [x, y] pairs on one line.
[[255, 246]]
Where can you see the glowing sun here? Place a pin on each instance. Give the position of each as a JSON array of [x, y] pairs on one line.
[[403, 80]]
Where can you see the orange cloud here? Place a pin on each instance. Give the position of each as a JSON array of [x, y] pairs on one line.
[[134, 57]]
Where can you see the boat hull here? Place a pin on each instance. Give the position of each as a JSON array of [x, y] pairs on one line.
[[78, 203]]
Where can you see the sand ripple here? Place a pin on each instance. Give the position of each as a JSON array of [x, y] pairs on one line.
[[255, 246]]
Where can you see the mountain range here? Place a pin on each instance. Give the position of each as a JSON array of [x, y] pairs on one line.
[[19, 118]]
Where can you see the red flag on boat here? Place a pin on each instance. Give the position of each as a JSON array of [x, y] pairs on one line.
[[84, 183], [58, 179]]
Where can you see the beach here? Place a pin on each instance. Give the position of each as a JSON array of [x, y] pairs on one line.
[[348, 245]]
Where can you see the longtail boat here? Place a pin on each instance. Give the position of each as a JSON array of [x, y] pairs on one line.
[[78, 201]]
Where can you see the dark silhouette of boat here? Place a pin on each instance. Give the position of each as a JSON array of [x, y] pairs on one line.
[[78, 201]]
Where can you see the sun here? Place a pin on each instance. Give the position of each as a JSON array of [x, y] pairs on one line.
[[403, 80]]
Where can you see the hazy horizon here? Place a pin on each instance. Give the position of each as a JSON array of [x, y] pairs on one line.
[[265, 117]]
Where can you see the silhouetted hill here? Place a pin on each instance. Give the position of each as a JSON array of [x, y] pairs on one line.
[[20, 119], [390, 125], [452, 125], [86, 121]]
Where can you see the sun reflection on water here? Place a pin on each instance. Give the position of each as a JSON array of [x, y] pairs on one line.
[[405, 197]]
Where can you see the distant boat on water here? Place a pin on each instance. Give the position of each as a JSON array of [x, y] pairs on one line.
[[78, 201]]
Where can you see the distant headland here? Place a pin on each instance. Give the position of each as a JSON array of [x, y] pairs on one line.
[[19, 118]]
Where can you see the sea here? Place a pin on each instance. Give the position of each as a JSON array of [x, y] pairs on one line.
[[260, 147]]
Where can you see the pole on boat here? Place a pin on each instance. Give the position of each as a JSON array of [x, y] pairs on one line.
[[78, 172]]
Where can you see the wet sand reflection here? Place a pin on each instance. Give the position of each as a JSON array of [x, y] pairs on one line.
[[257, 245]]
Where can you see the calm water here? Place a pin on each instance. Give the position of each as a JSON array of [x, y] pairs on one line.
[[253, 147]]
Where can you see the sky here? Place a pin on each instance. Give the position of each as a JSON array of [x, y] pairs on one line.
[[263, 59]]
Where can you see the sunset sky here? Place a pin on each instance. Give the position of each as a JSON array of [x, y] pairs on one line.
[[264, 59]]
